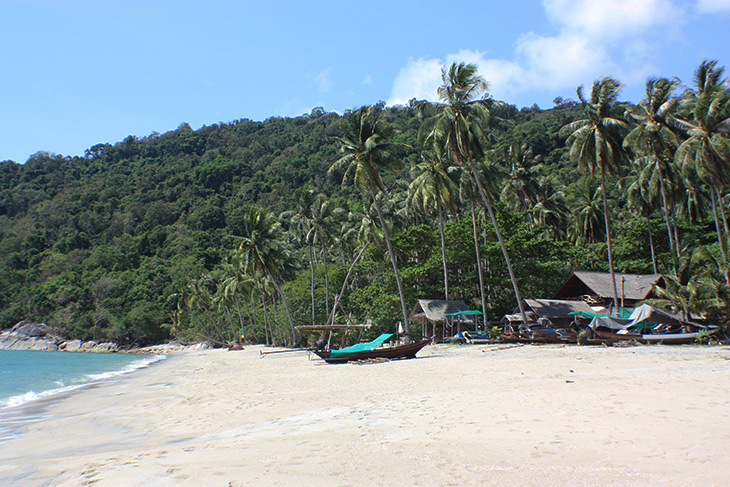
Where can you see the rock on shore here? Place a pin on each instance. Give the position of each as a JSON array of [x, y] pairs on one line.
[[39, 336]]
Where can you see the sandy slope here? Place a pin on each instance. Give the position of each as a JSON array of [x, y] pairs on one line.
[[457, 415]]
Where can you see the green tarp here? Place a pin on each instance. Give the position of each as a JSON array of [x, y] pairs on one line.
[[470, 312], [361, 347]]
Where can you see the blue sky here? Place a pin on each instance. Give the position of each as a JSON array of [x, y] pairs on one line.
[[75, 73]]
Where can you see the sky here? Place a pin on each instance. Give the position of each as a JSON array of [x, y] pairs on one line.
[[76, 73]]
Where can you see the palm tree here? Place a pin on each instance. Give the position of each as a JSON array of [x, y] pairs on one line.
[[321, 222], [653, 140], [366, 151], [237, 285], [641, 200], [596, 145], [434, 182], [301, 224], [264, 252], [522, 187], [459, 128], [707, 147], [588, 213]]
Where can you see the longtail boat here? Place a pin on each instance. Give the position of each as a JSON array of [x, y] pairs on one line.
[[371, 350]]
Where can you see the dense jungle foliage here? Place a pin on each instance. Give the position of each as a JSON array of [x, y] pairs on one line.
[[253, 227]]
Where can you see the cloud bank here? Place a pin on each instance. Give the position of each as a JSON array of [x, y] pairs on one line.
[[592, 38]]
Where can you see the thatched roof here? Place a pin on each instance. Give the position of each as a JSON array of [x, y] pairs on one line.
[[635, 287], [554, 308], [436, 309]]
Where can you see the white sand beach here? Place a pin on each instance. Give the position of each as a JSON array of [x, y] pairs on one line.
[[456, 415]]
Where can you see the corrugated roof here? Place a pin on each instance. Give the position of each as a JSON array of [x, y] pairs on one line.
[[436, 309], [630, 286]]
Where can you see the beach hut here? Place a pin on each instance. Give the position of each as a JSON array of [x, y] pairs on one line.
[[596, 288], [440, 316]]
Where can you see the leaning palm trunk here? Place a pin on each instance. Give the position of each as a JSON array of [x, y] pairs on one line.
[[286, 306], [331, 319], [479, 265], [608, 239], [488, 206], [406, 325], [443, 246], [717, 222]]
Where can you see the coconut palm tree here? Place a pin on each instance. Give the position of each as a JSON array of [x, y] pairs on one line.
[[707, 147], [460, 129], [300, 225], [434, 183], [321, 223], [366, 150], [588, 211], [264, 252], [522, 186], [653, 139], [641, 200], [596, 145]]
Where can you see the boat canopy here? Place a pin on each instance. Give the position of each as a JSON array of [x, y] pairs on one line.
[[361, 347]]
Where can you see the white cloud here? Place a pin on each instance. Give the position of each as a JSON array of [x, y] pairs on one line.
[[322, 81], [612, 19], [713, 6], [367, 80], [419, 78], [594, 38]]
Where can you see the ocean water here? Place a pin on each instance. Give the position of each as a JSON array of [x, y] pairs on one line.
[[28, 377]]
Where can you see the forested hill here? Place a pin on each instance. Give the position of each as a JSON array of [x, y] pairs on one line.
[[102, 246], [106, 238]]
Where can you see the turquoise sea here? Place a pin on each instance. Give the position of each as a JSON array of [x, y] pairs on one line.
[[28, 377]]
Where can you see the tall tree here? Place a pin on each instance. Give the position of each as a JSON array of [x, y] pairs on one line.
[[460, 129], [366, 150], [707, 147], [596, 145], [264, 251], [434, 183], [653, 139]]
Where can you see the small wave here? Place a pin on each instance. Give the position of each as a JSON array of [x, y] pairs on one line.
[[139, 364], [30, 396]]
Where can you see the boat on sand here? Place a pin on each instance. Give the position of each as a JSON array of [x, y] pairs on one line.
[[372, 350]]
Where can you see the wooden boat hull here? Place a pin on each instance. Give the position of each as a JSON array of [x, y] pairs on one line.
[[661, 338], [392, 353]]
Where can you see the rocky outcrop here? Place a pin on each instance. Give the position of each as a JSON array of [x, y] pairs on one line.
[[39, 336]]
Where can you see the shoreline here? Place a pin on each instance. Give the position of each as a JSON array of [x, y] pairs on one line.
[[455, 415]]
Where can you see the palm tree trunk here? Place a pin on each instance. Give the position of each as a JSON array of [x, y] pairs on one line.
[[651, 243], [288, 313], [267, 322], [240, 319], [488, 206], [672, 247], [722, 210], [608, 239], [443, 245], [406, 325], [717, 223], [311, 264], [252, 318], [326, 280], [479, 265], [331, 319]]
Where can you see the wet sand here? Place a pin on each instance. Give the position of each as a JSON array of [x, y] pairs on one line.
[[456, 415]]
